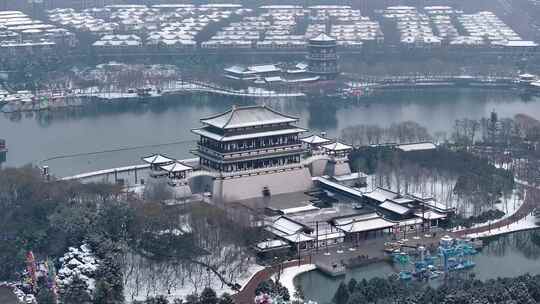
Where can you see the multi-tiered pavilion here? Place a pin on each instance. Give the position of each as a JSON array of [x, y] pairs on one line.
[[252, 151], [322, 56]]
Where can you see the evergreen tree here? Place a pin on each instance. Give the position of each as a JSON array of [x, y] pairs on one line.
[[342, 294], [157, 300], [357, 298], [192, 299], [264, 287], [208, 296], [45, 296], [109, 286], [226, 299], [352, 285], [76, 292]]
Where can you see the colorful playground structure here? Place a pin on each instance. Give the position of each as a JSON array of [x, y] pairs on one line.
[[419, 263]]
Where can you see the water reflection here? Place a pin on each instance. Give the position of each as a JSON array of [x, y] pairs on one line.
[[322, 115], [521, 242]]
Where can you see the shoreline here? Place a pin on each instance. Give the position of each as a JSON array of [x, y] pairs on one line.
[[290, 273], [85, 98], [524, 224]]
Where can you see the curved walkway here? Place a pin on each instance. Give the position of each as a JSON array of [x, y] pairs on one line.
[[531, 202], [247, 294]]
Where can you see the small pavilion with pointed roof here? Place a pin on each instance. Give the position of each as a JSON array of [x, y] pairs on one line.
[[156, 162], [337, 149], [177, 170], [315, 140]]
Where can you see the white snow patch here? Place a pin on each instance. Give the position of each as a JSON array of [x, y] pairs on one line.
[[525, 223], [146, 279], [508, 206], [287, 277], [78, 261]]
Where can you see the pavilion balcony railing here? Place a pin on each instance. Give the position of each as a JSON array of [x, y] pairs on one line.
[[246, 152], [158, 174], [328, 56], [262, 170], [218, 157]]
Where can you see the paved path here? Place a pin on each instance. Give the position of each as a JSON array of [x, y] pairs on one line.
[[247, 294], [531, 202]]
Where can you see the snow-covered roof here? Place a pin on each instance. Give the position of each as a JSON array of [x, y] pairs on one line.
[[236, 69], [527, 75], [301, 65], [214, 136], [368, 224], [413, 221], [157, 159], [403, 200], [535, 84], [221, 5], [394, 207], [520, 43], [250, 116], [264, 68], [337, 146], [348, 177], [381, 195], [357, 217], [273, 79], [315, 140], [298, 237], [300, 209], [271, 244], [322, 37], [173, 5], [430, 214], [176, 167], [330, 236], [286, 226], [288, 229], [417, 147]]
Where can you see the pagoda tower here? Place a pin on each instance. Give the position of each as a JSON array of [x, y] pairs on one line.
[[322, 57]]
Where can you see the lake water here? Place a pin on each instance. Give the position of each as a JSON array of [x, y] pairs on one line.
[[34, 137], [504, 256]]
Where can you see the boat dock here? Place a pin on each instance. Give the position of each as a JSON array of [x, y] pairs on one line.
[[331, 269]]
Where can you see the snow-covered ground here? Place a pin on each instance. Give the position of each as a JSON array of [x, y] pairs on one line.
[[287, 276], [441, 188], [176, 281], [526, 223], [509, 206]]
